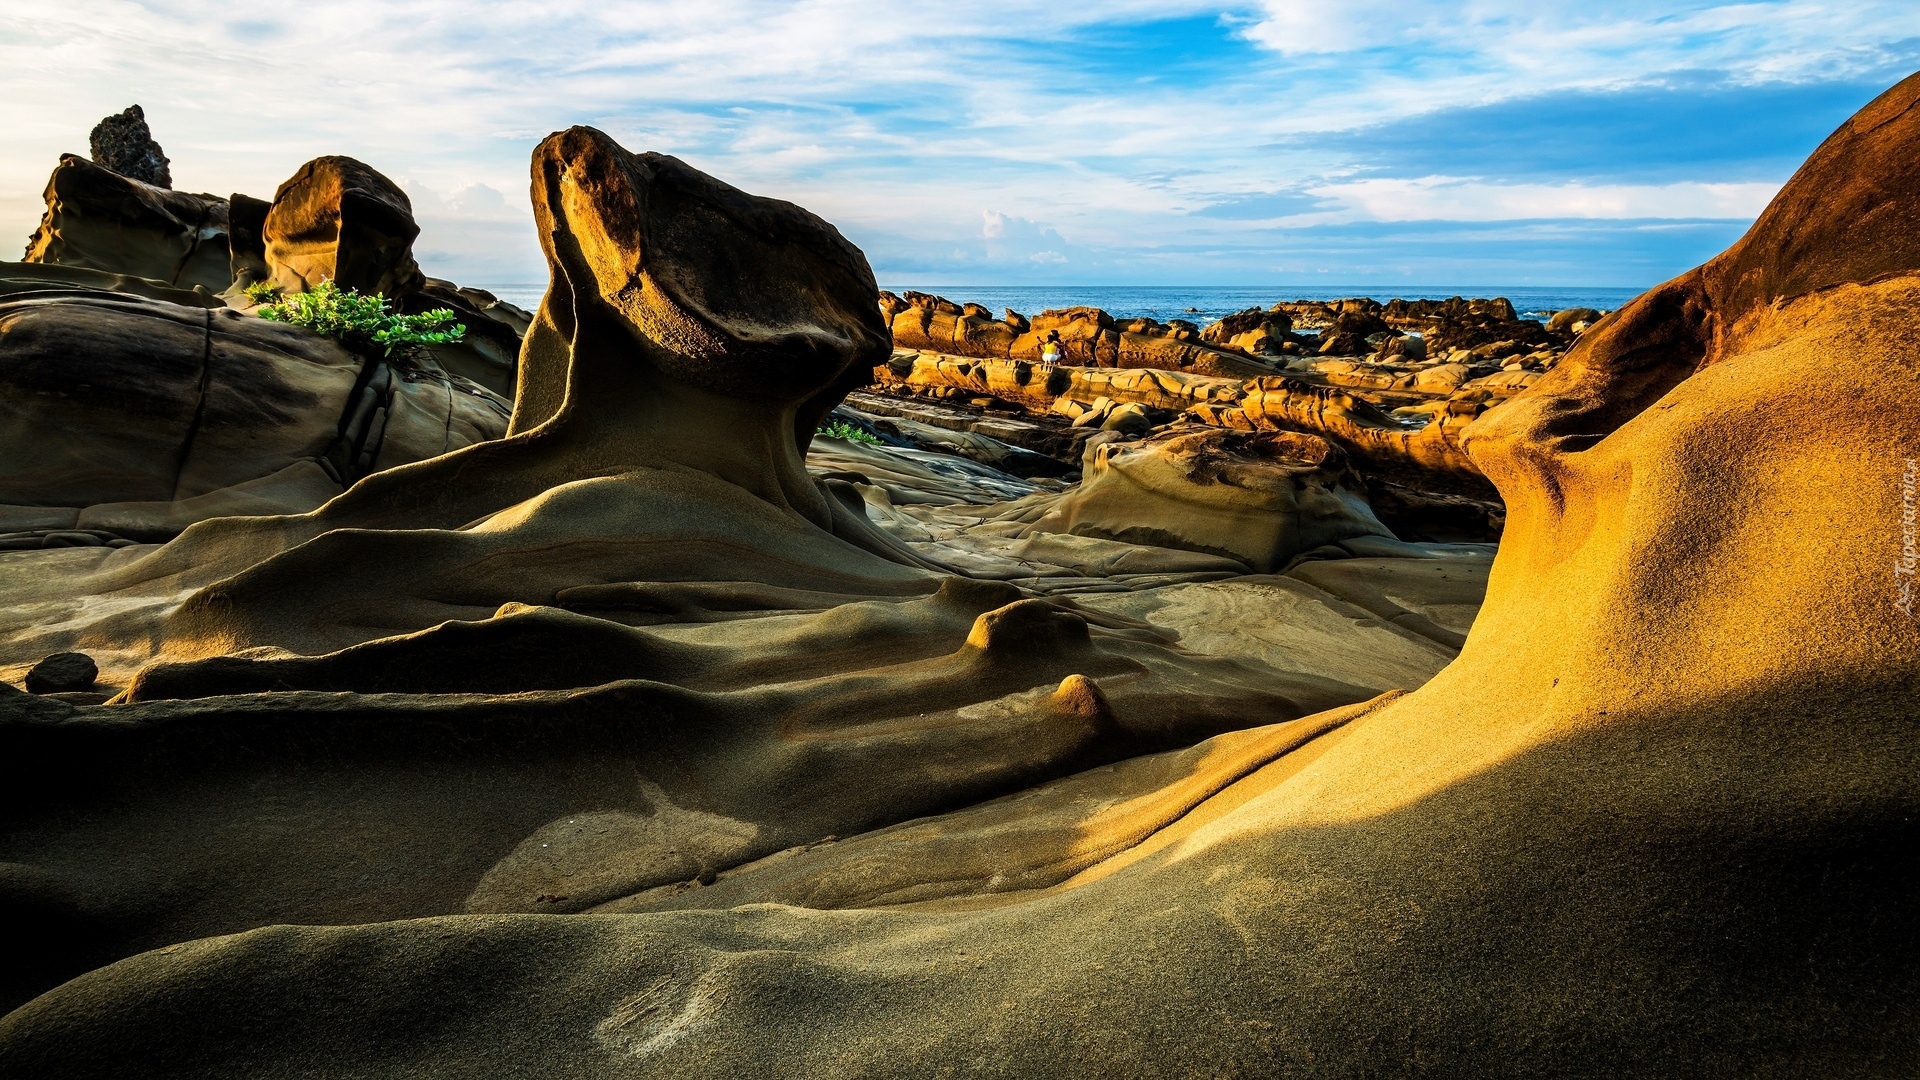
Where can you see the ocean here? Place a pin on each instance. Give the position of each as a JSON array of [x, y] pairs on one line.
[[1201, 303]]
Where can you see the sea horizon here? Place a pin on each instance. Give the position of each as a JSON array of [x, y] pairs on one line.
[[1204, 303]]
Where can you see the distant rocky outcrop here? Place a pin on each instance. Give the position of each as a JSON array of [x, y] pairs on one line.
[[122, 143], [1425, 456], [1254, 331], [1087, 336]]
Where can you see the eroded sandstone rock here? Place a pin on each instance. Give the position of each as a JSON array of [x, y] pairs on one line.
[[1260, 497], [1656, 819], [641, 579], [137, 416], [338, 219], [99, 219], [1087, 336]]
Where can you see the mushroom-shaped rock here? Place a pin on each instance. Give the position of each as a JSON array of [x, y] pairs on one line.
[[670, 379], [691, 284], [338, 219]]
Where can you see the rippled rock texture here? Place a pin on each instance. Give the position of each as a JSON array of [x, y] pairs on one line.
[[1655, 819]]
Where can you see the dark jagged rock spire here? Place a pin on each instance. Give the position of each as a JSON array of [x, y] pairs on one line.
[[123, 143]]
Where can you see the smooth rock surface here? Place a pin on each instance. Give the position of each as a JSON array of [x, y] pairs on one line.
[[1657, 818]]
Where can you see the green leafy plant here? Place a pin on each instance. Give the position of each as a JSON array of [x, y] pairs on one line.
[[361, 321], [840, 429], [262, 292]]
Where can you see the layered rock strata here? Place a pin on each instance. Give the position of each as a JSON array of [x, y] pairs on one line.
[[1087, 336], [1425, 453]]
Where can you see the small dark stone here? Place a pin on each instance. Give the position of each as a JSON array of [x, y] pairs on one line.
[[123, 143], [63, 672]]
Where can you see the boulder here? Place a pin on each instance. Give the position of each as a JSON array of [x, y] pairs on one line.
[[1335, 343], [1568, 320], [123, 143], [338, 219], [63, 673], [1261, 498]]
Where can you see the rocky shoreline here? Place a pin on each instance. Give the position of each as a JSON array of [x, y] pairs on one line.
[[730, 669]]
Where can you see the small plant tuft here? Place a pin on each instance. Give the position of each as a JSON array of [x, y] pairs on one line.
[[262, 292], [362, 321], [840, 429]]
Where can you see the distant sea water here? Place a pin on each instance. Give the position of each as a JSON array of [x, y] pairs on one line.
[[1202, 303]]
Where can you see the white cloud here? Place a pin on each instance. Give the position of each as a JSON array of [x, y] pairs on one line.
[[896, 120], [1445, 198]]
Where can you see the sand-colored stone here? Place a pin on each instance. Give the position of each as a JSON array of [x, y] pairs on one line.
[[1656, 819], [1087, 337]]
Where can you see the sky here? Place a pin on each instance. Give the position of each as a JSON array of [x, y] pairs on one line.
[[1306, 142]]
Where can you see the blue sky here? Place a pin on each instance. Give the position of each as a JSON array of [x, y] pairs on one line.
[[1306, 142]]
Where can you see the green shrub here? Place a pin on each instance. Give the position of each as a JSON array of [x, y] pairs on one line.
[[840, 429], [262, 292], [362, 321]]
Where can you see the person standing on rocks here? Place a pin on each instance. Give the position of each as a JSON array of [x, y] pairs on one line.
[[1050, 350]]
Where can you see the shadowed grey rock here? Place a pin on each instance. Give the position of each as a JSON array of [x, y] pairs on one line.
[[63, 672]]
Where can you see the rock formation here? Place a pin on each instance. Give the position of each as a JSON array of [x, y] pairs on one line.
[[136, 416], [1087, 336], [1428, 455], [100, 220], [1657, 818], [651, 484], [122, 143], [338, 219], [1259, 498], [139, 399]]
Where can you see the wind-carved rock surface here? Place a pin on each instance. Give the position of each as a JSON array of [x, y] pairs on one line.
[[1259, 498], [631, 645], [99, 219], [339, 220], [137, 401], [1655, 819]]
